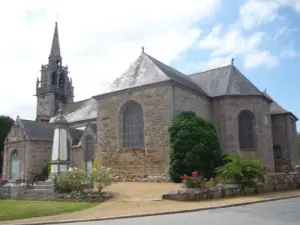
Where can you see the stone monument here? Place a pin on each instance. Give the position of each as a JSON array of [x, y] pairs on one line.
[[59, 158]]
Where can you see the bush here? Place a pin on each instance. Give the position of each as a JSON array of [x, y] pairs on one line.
[[102, 177], [194, 147], [240, 171], [71, 180]]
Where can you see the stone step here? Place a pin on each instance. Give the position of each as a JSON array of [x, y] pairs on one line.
[[37, 187], [46, 182], [40, 190]]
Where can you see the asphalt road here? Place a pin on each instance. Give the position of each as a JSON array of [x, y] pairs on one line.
[[281, 212]]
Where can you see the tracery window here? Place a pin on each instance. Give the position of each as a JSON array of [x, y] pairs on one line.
[[247, 130]]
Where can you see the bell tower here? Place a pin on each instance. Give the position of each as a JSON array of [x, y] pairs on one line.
[[54, 86]]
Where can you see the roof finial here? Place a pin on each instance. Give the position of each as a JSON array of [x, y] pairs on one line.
[[56, 17], [265, 90], [232, 61], [143, 49]]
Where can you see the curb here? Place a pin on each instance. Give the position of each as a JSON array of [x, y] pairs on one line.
[[163, 213]]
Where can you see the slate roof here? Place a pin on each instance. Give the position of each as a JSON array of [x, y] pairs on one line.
[[45, 131], [148, 70], [80, 111], [76, 135], [227, 80], [275, 108], [38, 130], [94, 127]]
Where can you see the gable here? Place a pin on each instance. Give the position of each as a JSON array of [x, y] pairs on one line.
[[148, 70], [90, 129], [16, 133]]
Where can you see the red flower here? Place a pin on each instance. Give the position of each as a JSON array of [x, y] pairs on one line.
[[185, 177], [195, 173], [214, 180], [3, 181]]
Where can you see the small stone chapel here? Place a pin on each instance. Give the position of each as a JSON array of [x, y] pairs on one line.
[[127, 124]]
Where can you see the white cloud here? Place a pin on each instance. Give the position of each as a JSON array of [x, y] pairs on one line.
[[290, 52], [257, 12], [230, 41], [99, 39], [262, 58], [284, 31], [208, 64]]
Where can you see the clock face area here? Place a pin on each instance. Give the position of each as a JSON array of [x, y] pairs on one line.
[[43, 106]]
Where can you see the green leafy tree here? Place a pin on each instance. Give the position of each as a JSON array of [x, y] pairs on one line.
[[241, 171], [194, 146], [5, 125]]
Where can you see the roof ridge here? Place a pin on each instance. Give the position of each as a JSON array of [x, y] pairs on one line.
[[192, 74], [234, 69], [178, 76], [151, 57]]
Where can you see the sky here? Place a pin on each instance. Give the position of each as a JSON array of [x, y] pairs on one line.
[[100, 39]]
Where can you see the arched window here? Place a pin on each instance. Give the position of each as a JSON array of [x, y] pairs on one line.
[[247, 130], [61, 80], [89, 153], [133, 125], [15, 165], [54, 78]]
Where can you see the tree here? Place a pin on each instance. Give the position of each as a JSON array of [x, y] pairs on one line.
[[5, 125], [194, 146]]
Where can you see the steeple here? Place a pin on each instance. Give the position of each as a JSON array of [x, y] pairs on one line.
[[55, 48], [54, 85]]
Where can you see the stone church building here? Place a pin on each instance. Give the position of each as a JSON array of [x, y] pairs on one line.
[[127, 124]]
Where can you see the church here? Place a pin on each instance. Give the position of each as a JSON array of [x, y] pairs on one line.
[[127, 124]]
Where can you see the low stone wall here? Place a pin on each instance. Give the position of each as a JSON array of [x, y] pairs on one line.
[[12, 191], [273, 182]]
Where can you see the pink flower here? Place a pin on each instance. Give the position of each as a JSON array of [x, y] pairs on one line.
[[195, 173]]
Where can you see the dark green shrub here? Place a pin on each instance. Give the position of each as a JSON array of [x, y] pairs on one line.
[[241, 171], [194, 147]]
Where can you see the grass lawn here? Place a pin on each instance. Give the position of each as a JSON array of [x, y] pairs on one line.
[[18, 209]]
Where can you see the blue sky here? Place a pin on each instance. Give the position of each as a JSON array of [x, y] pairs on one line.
[[99, 43], [280, 38]]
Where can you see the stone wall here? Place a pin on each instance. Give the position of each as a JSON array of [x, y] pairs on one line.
[[39, 153], [15, 140], [273, 182], [185, 100], [20, 147], [225, 115], [285, 140], [77, 157], [158, 111]]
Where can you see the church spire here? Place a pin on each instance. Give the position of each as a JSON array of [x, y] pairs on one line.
[[55, 48]]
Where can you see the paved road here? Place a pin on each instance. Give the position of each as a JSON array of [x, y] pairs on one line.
[[282, 212]]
